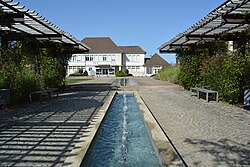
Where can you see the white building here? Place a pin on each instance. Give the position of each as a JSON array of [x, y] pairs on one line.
[[105, 58], [154, 64], [134, 59]]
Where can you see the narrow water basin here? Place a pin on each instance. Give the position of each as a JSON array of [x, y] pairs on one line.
[[123, 139]]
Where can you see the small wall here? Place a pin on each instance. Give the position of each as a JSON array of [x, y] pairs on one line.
[[5, 97]]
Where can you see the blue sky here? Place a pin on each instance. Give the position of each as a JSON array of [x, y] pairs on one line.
[[146, 23]]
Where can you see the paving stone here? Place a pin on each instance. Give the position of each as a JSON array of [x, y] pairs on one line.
[[205, 134], [44, 134]]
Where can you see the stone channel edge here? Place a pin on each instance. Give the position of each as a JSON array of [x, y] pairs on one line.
[[77, 154]]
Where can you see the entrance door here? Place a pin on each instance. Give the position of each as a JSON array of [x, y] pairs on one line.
[[105, 71]]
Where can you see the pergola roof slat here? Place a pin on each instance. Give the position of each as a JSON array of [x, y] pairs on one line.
[[33, 24], [226, 18]]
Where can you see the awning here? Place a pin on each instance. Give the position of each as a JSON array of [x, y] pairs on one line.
[[104, 66], [229, 17], [31, 23]]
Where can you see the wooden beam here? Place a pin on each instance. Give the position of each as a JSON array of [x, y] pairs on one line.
[[47, 37], [179, 46], [11, 18], [201, 37], [236, 19]]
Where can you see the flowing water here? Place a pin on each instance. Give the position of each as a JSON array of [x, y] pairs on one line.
[[123, 139]]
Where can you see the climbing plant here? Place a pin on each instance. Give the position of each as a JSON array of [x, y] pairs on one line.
[[30, 65]]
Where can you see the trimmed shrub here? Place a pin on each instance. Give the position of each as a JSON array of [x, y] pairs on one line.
[[119, 74], [85, 73], [80, 71], [126, 72]]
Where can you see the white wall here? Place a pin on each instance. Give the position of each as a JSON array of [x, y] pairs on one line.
[[134, 63], [155, 70], [78, 61]]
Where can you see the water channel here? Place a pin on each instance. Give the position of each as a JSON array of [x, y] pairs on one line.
[[123, 139]]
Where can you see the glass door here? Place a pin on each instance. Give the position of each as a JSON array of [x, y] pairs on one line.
[[105, 72]]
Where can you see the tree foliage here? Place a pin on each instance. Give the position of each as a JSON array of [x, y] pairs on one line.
[[32, 65], [211, 64]]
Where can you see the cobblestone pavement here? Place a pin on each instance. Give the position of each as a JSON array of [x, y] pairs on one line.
[[205, 134], [44, 134]]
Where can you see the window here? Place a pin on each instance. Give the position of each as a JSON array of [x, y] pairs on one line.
[[134, 58], [91, 58], [98, 71], [111, 71], [100, 57], [78, 57], [95, 57], [113, 58], [104, 58], [108, 58], [149, 70], [137, 58], [87, 58], [73, 58]]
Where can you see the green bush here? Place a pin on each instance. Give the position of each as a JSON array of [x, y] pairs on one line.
[[234, 77], [20, 82], [52, 72], [214, 66], [76, 74], [80, 71], [85, 73], [211, 72], [126, 72], [26, 68], [119, 74], [190, 69], [169, 73]]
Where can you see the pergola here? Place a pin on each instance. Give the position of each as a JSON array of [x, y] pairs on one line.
[[30, 23], [228, 18]]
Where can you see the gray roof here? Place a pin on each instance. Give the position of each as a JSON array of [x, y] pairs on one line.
[[101, 45], [156, 60], [132, 49]]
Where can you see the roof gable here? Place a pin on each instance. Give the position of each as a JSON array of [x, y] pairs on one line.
[[156, 60], [101, 45], [132, 49]]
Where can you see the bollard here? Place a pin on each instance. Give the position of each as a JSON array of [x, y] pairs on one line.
[[247, 97]]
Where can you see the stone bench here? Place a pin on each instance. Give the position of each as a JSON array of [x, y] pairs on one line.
[[205, 90], [48, 92]]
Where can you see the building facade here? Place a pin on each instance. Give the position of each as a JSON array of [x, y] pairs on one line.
[[105, 58], [133, 58], [154, 64]]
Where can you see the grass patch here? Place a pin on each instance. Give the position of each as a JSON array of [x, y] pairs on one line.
[[70, 81]]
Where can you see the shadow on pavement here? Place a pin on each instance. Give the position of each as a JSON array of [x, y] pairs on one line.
[[224, 152], [44, 134]]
